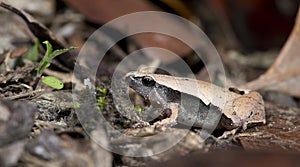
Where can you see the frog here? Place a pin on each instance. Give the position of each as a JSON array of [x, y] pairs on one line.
[[196, 103]]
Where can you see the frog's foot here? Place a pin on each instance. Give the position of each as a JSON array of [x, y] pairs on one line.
[[228, 134], [170, 113], [141, 124]]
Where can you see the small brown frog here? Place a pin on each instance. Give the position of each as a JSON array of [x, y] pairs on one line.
[[197, 103]]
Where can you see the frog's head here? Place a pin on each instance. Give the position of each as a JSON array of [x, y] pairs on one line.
[[142, 84]]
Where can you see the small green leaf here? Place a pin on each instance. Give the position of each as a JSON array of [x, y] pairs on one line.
[[59, 52], [45, 63], [33, 53], [49, 49], [53, 82], [101, 100], [50, 54], [139, 109], [102, 90]]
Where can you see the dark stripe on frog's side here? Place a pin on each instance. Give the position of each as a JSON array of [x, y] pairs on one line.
[[193, 111]]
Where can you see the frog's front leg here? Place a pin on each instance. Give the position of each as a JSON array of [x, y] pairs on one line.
[[161, 107], [170, 111]]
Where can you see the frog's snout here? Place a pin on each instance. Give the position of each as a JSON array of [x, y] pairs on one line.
[[129, 80]]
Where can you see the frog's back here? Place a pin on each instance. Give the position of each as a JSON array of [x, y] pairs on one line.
[[207, 92]]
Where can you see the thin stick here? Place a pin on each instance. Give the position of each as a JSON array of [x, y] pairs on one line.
[[28, 94]]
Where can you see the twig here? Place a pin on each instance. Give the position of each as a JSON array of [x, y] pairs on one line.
[[28, 94]]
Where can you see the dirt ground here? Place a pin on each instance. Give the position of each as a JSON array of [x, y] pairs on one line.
[[94, 119]]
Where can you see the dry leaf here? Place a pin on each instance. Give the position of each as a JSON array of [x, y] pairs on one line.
[[43, 34], [284, 74], [37, 28], [105, 10]]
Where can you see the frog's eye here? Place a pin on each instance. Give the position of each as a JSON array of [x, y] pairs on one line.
[[148, 81]]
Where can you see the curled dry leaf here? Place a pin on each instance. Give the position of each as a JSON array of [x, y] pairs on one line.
[[37, 28], [284, 74]]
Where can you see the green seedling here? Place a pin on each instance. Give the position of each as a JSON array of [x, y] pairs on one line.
[[139, 109], [50, 54], [45, 63], [100, 102], [103, 91]]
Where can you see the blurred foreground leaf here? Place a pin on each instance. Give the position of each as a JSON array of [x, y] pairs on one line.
[[284, 74]]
